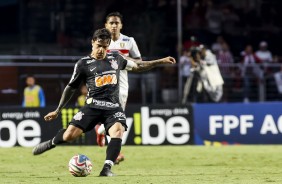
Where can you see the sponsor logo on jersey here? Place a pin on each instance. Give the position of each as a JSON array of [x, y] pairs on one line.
[[114, 64], [101, 103], [125, 39], [105, 80]]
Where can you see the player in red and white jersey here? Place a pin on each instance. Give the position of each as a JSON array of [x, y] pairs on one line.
[[127, 46]]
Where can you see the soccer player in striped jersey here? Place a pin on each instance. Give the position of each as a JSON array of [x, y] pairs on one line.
[[127, 46]]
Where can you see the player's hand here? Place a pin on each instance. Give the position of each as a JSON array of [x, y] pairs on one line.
[[169, 60], [51, 116]]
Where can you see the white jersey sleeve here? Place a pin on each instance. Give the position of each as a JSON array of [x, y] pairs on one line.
[[134, 51], [129, 63]]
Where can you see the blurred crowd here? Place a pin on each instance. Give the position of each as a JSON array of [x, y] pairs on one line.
[[64, 27], [247, 71], [243, 35], [237, 23]]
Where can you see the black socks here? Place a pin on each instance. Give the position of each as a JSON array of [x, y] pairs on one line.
[[58, 139], [113, 149]]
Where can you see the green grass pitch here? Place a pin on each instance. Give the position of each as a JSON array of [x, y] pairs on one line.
[[148, 165]]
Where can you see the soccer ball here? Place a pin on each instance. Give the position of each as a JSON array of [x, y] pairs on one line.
[[80, 165]]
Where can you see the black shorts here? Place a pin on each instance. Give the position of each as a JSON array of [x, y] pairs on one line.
[[87, 118]]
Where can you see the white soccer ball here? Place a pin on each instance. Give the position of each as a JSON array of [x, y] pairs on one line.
[[80, 165]]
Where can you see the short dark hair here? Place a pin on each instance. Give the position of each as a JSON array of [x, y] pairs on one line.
[[114, 14], [103, 34]]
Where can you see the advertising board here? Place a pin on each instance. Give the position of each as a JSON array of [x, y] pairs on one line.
[[238, 123], [147, 125]]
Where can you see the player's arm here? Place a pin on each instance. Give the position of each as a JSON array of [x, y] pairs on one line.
[[140, 66], [66, 96], [68, 92]]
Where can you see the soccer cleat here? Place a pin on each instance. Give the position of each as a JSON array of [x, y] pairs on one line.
[[119, 159], [42, 147], [100, 137], [106, 171]]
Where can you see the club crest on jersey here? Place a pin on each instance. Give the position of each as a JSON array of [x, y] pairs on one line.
[[78, 116], [89, 100], [122, 45], [114, 64]]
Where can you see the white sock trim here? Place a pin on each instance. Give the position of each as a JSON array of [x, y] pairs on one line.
[[53, 142], [108, 138], [109, 162]]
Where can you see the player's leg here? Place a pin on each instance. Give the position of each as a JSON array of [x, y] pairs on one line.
[[79, 124], [63, 136], [100, 134], [120, 157], [123, 100], [113, 149], [115, 125]]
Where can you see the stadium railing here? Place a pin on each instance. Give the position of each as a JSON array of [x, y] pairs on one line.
[[154, 87]]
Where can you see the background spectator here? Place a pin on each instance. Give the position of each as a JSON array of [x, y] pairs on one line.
[[263, 53], [33, 94], [217, 46], [81, 99], [225, 58], [278, 80], [192, 42], [185, 65], [249, 69]]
